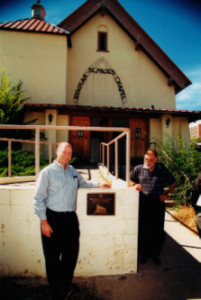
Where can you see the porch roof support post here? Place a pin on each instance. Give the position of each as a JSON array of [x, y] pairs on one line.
[[108, 158], [9, 157], [128, 142], [50, 153], [116, 160], [103, 155], [100, 152], [37, 151]]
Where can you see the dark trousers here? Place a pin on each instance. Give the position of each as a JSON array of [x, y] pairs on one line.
[[151, 226], [198, 219], [61, 249]]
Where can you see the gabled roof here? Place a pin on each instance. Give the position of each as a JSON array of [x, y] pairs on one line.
[[91, 7], [32, 25]]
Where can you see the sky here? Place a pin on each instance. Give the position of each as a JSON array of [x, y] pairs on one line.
[[175, 25]]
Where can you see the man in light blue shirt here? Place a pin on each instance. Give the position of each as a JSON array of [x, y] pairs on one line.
[[55, 204]]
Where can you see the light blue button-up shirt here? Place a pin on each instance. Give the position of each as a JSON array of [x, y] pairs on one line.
[[56, 189]]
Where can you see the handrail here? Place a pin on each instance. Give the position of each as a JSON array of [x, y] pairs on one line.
[[54, 127], [37, 142], [107, 146], [50, 144]]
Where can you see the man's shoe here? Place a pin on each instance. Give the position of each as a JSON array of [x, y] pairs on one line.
[[156, 260], [72, 289], [68, 293]]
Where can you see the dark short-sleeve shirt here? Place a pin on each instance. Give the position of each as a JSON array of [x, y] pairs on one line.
[[153, 183]]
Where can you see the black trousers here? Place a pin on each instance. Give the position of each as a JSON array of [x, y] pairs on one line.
[[198, 219], [151, 226], [61, 249]]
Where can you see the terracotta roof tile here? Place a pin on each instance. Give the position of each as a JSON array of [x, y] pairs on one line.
[[24, 24], [40, 26], [8, 24], [33, 25], [15, 24], [46, 26]]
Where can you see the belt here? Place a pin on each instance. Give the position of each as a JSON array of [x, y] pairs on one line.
[[67, 212], [61, 212]]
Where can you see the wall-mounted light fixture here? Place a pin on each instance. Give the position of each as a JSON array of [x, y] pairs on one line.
[[50, 118], [168, 121]]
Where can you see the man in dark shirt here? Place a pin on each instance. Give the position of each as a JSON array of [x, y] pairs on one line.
[[150, 179]]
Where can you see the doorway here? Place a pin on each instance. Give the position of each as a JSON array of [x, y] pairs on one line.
[[138, 137], [80, 140]]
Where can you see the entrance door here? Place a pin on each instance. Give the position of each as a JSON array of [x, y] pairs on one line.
[[138, 137], [80, 140]]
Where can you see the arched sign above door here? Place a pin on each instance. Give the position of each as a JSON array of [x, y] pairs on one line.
[[104, 69]]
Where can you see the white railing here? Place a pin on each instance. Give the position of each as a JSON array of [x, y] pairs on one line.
[[37, 142], [106, 146], [10, 141]]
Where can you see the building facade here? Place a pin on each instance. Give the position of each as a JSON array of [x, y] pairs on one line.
[[195, 131], [98, 67]]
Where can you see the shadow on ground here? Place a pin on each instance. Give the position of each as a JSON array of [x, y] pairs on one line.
[[36, 288], [177, 278]]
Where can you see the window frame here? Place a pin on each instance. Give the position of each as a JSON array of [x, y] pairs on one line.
[[100, 49]]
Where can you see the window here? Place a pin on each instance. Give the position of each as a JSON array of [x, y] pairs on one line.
[[138, 133], [102, 41], [80, 133]]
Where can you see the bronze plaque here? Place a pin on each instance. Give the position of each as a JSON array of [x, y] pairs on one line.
[[101, 204]]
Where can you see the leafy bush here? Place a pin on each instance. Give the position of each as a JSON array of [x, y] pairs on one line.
[[12, 110], [11, 102], [184, 161], [23, 163]]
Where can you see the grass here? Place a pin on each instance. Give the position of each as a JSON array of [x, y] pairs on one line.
[[186, 215]]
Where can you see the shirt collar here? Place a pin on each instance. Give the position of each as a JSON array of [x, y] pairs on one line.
[[58, 165]]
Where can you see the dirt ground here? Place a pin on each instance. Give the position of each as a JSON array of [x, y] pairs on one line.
[[22, 288]]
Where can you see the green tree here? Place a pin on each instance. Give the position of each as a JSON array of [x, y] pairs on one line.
[[11, 101], [184, 162], [12, 109]]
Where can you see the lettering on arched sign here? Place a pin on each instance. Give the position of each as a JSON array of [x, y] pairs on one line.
[[106, 70]]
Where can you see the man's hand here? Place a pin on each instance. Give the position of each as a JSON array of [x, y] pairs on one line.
[[138, 187], [164, 197], [104, 186], [46, 228]]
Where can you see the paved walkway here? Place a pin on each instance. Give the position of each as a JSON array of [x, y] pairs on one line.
[[177, 278]]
